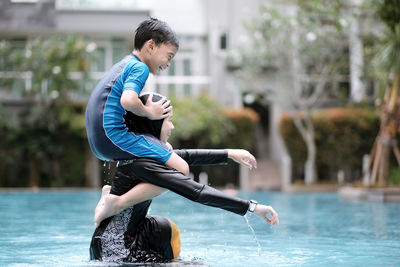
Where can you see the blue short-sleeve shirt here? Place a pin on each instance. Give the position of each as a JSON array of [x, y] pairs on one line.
[[107, 133]]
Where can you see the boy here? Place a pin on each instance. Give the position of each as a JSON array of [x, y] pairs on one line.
[[118, 92]]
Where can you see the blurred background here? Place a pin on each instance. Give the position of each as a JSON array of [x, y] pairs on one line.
[[306, 86]]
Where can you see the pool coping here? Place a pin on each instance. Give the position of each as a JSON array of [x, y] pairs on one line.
[[389, 194], [46, 189]]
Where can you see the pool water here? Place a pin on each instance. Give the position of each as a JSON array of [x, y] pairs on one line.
[[55, 228]]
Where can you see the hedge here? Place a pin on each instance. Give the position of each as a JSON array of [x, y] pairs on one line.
[[342, 137], [201, 123], [46, 151]]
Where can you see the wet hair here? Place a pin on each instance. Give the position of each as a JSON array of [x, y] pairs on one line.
[[144, 125], [156, 30]]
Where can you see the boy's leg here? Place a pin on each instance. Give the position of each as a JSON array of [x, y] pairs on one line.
[[158, 174], [177, 163], [111, 204]]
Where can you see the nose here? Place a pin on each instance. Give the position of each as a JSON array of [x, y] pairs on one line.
[[168, 63]]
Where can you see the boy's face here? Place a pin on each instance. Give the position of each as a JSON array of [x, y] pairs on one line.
[[160, 57], [166, 128]]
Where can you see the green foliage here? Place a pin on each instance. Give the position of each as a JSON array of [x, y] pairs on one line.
[[394, 178], [389, 12], [387, 55], [342, 136], [201, 123], [49, 62], [199, 119], [40, 151], [42, 145], [244, 123]]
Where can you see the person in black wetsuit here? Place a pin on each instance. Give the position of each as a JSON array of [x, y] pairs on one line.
[[134, 237]]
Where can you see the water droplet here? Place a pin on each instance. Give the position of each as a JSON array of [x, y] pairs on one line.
[[254, 235]]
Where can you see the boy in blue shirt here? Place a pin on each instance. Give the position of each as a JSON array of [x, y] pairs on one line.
[[155, 46]]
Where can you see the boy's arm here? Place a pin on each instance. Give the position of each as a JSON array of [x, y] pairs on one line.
[[152, 110], [197, 157]]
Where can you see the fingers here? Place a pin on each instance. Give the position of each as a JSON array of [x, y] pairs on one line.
[[166, 103], [252, 159], [166, 106], [164, 115], [168, 109], [249, 160], [275, 218], [150, 99], [252, 163]]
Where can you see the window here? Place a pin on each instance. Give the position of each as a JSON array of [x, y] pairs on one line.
[[223, 41], [187, 71], [118, 50], [99, 63]]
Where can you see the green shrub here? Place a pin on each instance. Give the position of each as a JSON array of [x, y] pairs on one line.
[[394, 178], [199, 122], [40, 148], [202, 123], [46, 146], [342, 137]]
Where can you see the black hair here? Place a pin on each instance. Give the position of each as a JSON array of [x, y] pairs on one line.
[[156, 30], [143, 125]]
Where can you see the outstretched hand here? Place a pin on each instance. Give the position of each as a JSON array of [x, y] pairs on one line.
[[262, 211], [243, 157]]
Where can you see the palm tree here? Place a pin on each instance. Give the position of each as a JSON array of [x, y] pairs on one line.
[[389, 60]]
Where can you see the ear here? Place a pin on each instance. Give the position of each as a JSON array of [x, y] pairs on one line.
[[149, 45]]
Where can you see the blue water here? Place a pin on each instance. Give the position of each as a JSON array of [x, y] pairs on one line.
[[55, 227]]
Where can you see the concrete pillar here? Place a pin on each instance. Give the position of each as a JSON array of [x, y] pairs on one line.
[[244, 178], [286, 172], [356, 55]]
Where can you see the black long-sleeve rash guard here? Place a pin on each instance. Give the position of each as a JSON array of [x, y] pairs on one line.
[[156, 173], [198, 157]]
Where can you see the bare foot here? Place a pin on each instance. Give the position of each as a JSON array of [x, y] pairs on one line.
[[104, 191], [107, 207]]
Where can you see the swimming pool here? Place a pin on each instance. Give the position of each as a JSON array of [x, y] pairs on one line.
[[55, 228]]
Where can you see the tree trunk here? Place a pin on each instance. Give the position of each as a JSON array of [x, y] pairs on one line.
[[384, 163], [306, 130], [310, 166]]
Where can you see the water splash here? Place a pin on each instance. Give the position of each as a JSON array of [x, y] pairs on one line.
[[254, 235]]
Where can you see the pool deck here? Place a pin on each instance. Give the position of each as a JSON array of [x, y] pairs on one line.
[[391, 194]]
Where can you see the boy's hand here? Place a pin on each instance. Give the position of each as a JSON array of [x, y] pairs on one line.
[[243, 157], [262, 211], [158, 110]]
